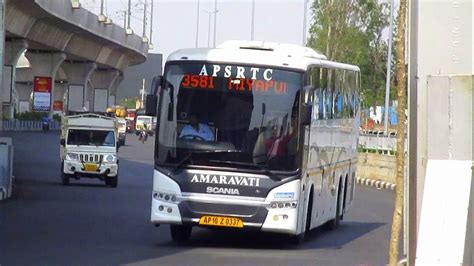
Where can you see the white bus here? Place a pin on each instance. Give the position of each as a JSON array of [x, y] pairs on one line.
[[282, 154]]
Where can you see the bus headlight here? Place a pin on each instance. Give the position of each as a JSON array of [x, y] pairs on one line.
[[282, 205], [72, 156], [110, 158], [167, 197]]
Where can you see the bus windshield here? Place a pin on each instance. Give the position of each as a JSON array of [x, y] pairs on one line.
[[229, 115]]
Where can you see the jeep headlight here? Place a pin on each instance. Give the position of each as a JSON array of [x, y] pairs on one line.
[[72, 156], [110, 158]]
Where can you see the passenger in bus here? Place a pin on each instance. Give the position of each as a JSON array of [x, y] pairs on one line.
[[274, 146], [196, 130], [282, 145]]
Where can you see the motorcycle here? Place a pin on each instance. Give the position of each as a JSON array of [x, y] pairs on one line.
[[143, 136], [45, 126]]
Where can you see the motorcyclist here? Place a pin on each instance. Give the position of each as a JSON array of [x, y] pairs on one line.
[[45, 124], [143, 136]]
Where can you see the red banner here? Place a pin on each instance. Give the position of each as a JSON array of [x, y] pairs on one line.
[[57, 106], [42, 84]]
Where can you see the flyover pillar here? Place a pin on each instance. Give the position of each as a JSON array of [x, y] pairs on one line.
[[113, 90], [13, 50], [44, 65], [78, 74], [103, 81]]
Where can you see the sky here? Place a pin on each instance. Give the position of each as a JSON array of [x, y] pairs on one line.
[[174, 21]]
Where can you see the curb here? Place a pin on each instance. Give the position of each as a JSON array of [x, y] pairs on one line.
[[375, 183]]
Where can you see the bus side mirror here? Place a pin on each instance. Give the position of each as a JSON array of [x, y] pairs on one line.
[[156, 83], [151, 105], [62, 142], [306, 112]]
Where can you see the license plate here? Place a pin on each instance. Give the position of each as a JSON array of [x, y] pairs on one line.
[[90, 167], [221, 221]]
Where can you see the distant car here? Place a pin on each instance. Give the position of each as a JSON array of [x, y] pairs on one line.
[[122, 130]]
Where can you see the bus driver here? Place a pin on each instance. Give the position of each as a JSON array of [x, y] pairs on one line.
[[196, 130]]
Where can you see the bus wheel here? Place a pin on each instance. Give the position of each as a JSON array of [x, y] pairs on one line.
[[180, 233], [334, 223], [297, 239], [309, 213]]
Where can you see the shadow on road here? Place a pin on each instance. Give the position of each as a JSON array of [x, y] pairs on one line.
[[319, 238]]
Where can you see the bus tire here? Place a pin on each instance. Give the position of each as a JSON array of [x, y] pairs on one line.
[[297, 239], [334, 223], [309, 213], [180, 233], [344, 198], [111, 181]]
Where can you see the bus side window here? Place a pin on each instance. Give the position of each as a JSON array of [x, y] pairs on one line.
[[323, 109], [338, 94], [356, 92], [316, 84], [352, 92], [330, 94]]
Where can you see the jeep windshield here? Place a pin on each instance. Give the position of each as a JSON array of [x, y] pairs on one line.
[[85, 137], [242, 114]]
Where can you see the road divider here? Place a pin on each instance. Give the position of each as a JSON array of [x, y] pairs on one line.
[[375, 183]]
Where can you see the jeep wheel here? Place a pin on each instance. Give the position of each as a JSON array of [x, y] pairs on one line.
[[64, 177], [111, 181]]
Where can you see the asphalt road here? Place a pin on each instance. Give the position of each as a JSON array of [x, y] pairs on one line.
[[88, 223]]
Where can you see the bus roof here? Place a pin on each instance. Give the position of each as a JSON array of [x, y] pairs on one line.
[[260, 53]]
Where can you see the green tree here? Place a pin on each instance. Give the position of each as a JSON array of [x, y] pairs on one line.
[[129, 103], [351, 31], [401, 78]]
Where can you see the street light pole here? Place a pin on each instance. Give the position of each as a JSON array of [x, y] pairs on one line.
[[389, 59], [215, 23], [125, 19], [197, 24], [209, 29], [129, 13], [144, 19], [252, 29], [151, 25], [305, 12], [102, 7]]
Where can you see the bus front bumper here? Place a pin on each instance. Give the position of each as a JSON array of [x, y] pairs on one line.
[[170, 206]]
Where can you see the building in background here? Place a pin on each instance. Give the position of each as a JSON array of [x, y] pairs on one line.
[[133, 78]]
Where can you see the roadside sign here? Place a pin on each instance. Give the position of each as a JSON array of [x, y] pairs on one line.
[[42, 94]]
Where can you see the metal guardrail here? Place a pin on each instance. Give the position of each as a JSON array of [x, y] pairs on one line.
[[22, 125], [6, 168], [379, 142]]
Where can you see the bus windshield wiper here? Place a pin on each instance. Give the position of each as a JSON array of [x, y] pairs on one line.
[[181, 163], [186, 158], [264, 170]]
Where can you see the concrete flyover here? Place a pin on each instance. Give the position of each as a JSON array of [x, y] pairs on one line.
[[81, 56]]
